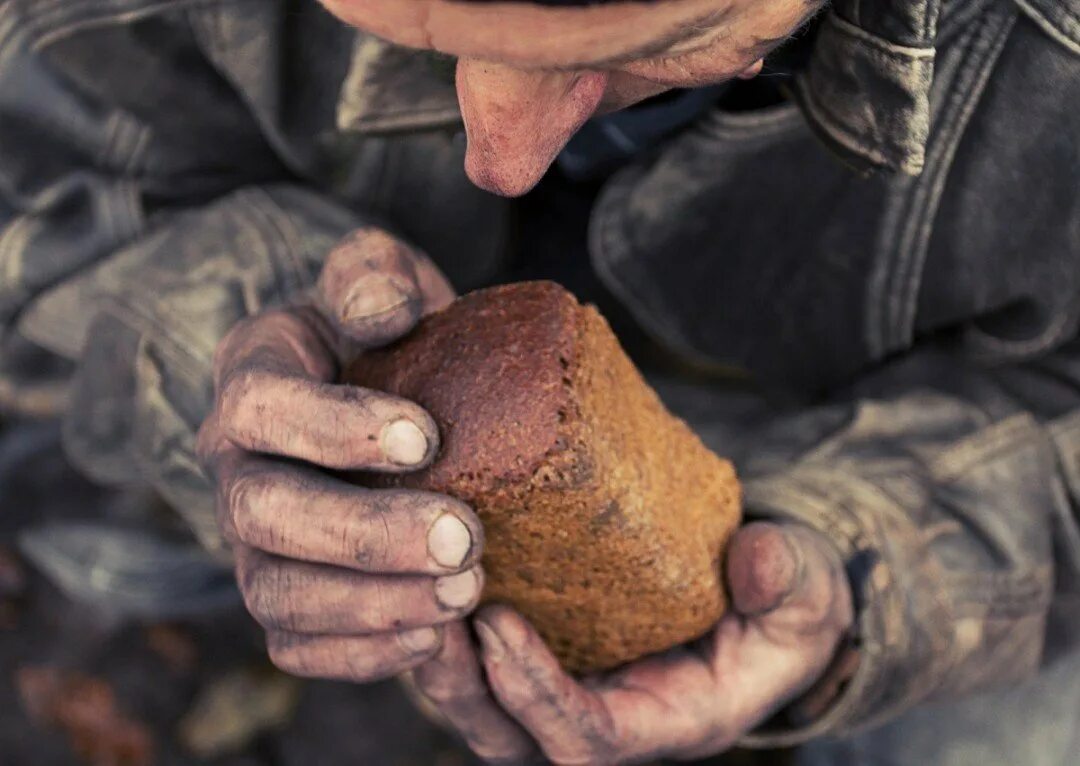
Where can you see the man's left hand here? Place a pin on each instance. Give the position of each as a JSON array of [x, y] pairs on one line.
[[791, 604]]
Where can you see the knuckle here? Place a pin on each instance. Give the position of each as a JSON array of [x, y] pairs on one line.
[[238, 393], [287, 654], [226, 347], [381, 659], [283, 661], [379, 248], [390, 607], [365, 251], [265, 594], [280, 653], [450, 689], [246, 498]]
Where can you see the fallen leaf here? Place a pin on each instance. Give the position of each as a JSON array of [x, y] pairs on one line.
[[85, 709], [173, 645]]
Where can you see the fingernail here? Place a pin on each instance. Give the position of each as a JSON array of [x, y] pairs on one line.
[[419, 641], [449, 541], [373, 295], [403, 442], [494, 647], [457, 591]]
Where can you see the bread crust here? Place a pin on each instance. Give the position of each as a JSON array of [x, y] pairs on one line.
[[605, 517]]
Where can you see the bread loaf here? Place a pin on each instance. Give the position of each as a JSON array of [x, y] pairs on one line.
[[605, 517]]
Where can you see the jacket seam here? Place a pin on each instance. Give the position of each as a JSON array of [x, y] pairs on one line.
[[888, 48], [191, 357], [897, 299], [994, 441], [1072, 42], [66, 12]]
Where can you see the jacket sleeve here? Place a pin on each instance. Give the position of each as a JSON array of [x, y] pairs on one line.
[[143, 211], [951, 489]]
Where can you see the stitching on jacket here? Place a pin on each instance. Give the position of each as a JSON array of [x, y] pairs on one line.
[[125, 143], [1069, 36], [14, 238], [884, 47], [39, 23], [1002, 438], [894, 296], [827, 120], [926, 195]]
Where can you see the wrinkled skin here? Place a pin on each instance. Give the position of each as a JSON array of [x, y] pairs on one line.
[[791, 605], [529, 76], [349, 583], [358, 584]]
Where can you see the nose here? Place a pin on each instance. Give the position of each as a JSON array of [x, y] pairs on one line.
[[518, 121]]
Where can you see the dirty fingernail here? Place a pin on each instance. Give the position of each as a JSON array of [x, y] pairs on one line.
[[449, 541], [419, 641], [494, 647], [457, 591], [403, 442], [372, 295]]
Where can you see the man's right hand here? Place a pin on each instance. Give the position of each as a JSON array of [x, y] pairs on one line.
[[349, 583]]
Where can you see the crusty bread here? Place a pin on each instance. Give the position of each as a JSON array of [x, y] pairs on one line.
[[605, 517]]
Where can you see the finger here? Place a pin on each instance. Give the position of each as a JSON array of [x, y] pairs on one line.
[[453, 681], [270, 375], [763, 568], [790, 581], [792, 606], [359, 659], [291, 342], [666, 705], [570, 723], [437, 291], [298, 597], [375, 288], [691, 701], [219, 457], [301, 513]]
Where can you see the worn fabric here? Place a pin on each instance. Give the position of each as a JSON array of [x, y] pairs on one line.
[[170, 166]]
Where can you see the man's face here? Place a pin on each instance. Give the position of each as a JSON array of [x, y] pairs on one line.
[[530, 75]]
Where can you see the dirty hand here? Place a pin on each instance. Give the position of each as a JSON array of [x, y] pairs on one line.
[[349, 583], [791, 604]]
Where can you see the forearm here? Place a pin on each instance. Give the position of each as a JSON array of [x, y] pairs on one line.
[[942, 485]]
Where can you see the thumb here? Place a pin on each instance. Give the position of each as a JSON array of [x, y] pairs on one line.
[[373, 287], [789, 579]]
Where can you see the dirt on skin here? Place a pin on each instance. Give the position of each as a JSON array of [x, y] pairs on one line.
[[80, 688]]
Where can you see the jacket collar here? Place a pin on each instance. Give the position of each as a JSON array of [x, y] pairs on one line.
[[866, 89], [390, 89]]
